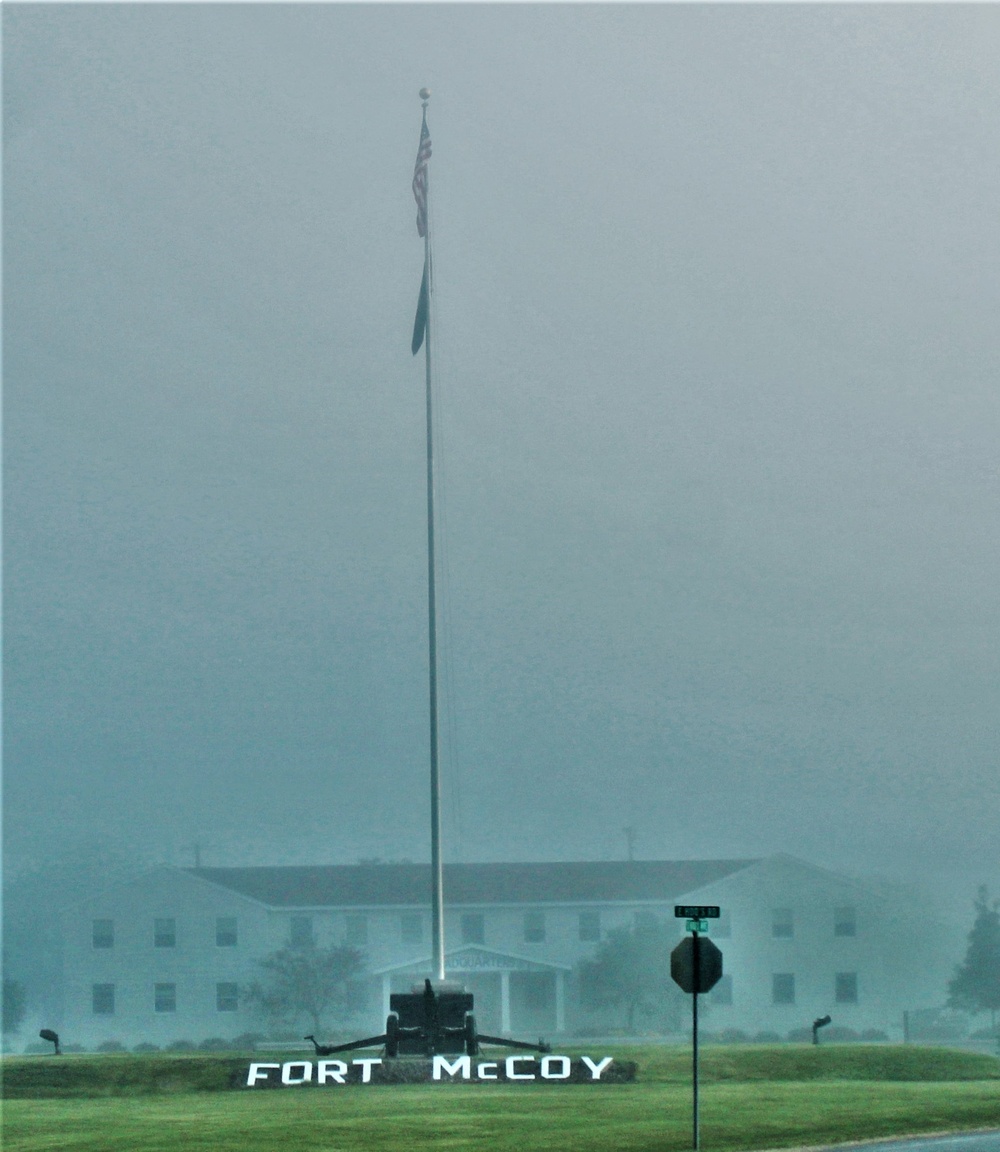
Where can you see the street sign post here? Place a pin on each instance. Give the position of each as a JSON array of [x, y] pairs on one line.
[[696, 966]]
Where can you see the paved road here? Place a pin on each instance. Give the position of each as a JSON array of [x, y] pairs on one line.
[[967, 1142], [970, 1142]]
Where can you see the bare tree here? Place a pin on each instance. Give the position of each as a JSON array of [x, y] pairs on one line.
[[321, 983], [631, 972]]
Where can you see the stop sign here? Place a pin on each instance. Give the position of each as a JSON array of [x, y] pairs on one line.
[[691, 976]]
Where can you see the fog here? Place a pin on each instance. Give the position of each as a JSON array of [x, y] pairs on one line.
[[716, 381]]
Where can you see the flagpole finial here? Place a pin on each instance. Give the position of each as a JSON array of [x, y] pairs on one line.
[[425, 95]]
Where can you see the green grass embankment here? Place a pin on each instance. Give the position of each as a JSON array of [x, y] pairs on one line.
[[38, 1077], [753, 1098]]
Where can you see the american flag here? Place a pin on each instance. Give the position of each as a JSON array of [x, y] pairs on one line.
[[420, 177]]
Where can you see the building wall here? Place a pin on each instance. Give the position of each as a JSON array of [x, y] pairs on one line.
[[897, 954], [134, 965]]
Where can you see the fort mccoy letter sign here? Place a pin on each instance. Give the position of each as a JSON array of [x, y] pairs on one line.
[[547, 1069]]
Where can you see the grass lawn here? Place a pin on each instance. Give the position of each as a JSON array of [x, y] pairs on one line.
[[752, 1098]]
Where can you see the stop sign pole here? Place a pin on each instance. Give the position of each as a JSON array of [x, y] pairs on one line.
[[696, 966]]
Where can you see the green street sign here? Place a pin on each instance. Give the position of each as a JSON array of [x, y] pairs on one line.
[[697, 925], [697, 911]]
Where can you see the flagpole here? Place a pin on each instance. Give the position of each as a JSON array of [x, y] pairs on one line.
[[437, 891]]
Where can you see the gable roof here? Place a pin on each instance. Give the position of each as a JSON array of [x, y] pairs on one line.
[[372, 885]]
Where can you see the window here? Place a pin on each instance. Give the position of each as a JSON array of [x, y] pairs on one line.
[[356, 931], [534, 927], [165, 997], [722, 993], [845, 987], [590, 925], [165, 933], [225, 932], [104, 934], [782, 923], [721, 929], [301, 931], [844, 922], [411, 928], [227, 997], [103, 999], [783, 988], [473, 928]]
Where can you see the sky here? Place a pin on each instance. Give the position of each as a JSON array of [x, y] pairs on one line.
[[716, 428]]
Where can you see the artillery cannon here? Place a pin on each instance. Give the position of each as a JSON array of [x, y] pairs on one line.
[[426, 1022]]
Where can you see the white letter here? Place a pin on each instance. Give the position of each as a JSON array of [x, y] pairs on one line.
[[366, 1069], [255, 1073], [512, 1075], [596, 1069], [463, 1064], [330, 1070], [548, 1061], [307, 1072], [483, 1074]]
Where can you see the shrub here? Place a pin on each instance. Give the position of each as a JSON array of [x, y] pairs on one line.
[[733, 1036], [214, 1044], [111, 1046], [767, 1037], [838, 1035], [248, 1041], [180, 1046], [145, 1046]]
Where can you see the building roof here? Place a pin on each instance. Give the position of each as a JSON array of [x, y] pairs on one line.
[[370, 885]]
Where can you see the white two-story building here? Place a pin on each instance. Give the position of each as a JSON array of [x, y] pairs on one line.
[[169, 954]]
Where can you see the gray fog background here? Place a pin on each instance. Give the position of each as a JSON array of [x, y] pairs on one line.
[[716, 326]]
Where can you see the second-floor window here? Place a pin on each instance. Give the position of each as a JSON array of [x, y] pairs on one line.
[[844, 921], [104, 934], [534, 927], [356, 931], [782, 923], [225, 931], [590, 925], [165, 932], [473, 928], [301, 932], [722, 928]]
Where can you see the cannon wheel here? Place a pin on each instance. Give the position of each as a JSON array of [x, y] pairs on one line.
[[392, 1035], [471, 1035]]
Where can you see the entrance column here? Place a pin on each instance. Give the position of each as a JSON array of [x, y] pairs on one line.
[[560, 1001], [505, 1002], [386, 982]]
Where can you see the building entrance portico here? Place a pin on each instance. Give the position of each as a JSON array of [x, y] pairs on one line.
[[511, 992]]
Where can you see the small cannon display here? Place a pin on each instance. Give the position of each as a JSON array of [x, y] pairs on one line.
[[426, 1022]]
